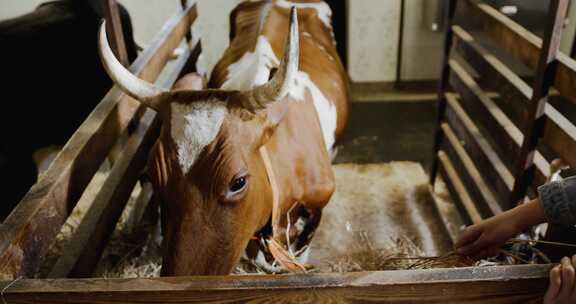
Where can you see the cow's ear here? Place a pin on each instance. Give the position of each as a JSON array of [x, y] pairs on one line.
[[270, 119]]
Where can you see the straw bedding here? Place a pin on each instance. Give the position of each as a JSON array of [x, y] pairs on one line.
[[380, 218]]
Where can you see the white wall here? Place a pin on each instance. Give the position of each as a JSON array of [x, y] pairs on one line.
[[148, 16], [13, 8], [373, 33], [372, 39], [212, 23], [422, 50]]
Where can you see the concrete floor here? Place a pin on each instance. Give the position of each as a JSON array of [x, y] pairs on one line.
[[389, 131]]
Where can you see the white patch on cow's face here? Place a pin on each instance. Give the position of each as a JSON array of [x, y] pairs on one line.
[[252, 69], [323, 10], [325, 110], [193, 127]]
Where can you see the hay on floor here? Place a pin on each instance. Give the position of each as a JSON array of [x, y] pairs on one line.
[[380, 218]]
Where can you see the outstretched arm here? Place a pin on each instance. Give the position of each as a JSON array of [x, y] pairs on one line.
[[484, 238], [556, 204]]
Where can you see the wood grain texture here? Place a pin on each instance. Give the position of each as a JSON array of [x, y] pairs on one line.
[[480, 150], [505, 284], [499, 127], [33, 224], [533, 129], [443, 85], [494, 73], [93, 232], [560, 135], [458, 191], [471, 175], [513, 91], [114, 29], [523, 45]]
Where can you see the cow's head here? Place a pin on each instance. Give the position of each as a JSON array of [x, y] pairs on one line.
[[206, 166]]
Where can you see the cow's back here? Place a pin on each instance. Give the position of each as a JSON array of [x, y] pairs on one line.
[[258, 34]]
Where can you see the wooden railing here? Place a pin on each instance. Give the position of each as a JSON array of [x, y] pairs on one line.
[[118, 122], [489, 146]]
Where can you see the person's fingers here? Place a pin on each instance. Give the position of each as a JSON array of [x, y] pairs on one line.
[[554, 285], [574, 284], [567, 278], [476, 248], [468, 236]]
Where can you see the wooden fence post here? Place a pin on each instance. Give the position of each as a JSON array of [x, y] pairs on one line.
[[441, 107], [184, 4], [545, 74], [114, 29]]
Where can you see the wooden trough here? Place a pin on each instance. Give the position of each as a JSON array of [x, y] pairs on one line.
[[483, 156]]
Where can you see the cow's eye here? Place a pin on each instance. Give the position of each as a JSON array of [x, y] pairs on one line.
[[238, 184]]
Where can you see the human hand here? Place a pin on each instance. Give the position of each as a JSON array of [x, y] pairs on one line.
[[485, 238], [561, 289]]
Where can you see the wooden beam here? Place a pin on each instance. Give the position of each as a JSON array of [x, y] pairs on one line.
[[513, 89], [499, 126], [560, 135], [471, 176], [499, 284], [478, 147], [184, 4], [83, 252], [458, 191], [523, 45], [441, 107], [33, 224], [481, 155], [97, 226], [545, 74], [114, 30]]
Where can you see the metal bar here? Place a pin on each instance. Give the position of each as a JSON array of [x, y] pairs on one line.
[[545, 75], [441, 107]]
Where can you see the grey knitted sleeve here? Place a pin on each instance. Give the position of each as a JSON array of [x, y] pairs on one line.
[[559, 201]]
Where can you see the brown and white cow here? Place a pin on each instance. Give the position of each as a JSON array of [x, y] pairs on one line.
[[264, 124]]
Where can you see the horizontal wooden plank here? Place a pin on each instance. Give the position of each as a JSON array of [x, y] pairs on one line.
[[85, 248], [457, 189], [523, 45], [451, 222], [96, 227], [499, 126], [32, 226], [560, 135], [480, 150], [503, 284], [476, 102], [513, 90], [487, 204]]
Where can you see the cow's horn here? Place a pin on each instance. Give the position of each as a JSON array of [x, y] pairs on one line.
[[277, 88], [145, 92]]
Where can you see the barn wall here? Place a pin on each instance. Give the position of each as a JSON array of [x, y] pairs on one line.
[[422, 50], [373, 36], [148, 19], [372, 33], [13, 8], [374, 27], [213, 23]]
